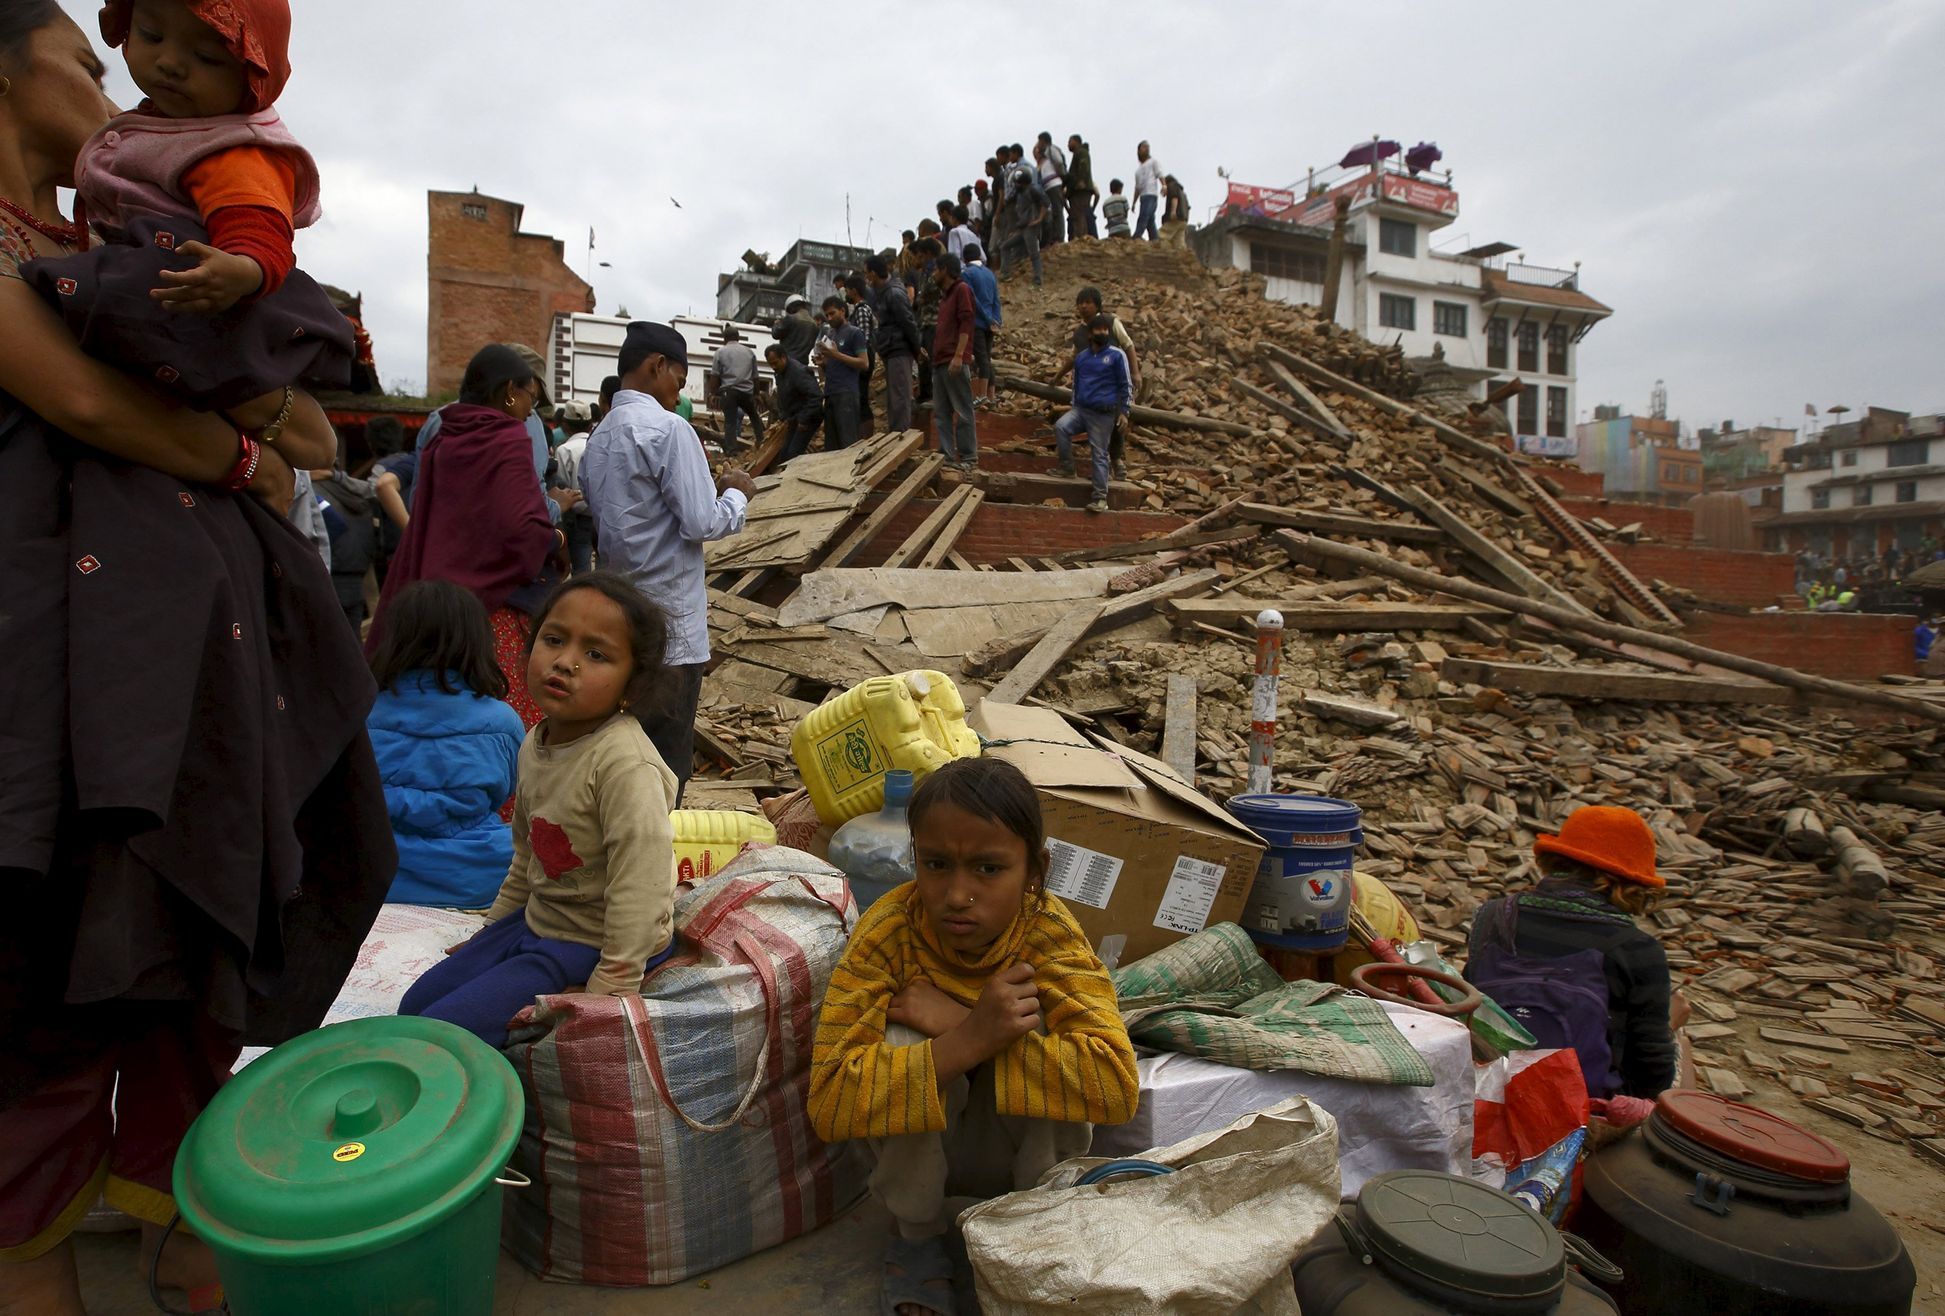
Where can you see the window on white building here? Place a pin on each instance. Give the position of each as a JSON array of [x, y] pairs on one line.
[[1395, 312], [1529, 422], [1274, 262], [1907, 452], [1449, 318], [1557, 412], [1530, 348], [1397, 237], [1861, 496], [1850, 457], [1819, 499], [1496, 343], [1557, 350], [1907, 491]]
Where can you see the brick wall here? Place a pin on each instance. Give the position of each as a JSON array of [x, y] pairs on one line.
[[998, 531], [1577, 483], [1675, 525], [1847, 646], [487, 282], [1750, 580]]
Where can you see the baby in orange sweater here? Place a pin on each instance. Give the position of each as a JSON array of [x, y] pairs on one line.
[[970, 1034], [204, 156]]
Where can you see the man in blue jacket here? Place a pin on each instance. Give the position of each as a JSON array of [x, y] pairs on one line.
[[1102, 391], [986, 320]]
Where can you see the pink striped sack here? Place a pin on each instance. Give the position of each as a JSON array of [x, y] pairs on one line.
[[666, 1133]]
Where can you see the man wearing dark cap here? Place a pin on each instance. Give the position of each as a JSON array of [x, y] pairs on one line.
[[655, 506]]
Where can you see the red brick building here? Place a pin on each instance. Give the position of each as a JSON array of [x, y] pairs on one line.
[[487, 282]]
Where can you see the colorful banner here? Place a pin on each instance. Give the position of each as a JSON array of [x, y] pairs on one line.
[[1270, 201]]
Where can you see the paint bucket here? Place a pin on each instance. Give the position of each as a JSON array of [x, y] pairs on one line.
[[1302, 896]]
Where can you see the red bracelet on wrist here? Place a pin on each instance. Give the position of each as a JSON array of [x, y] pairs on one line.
[[245, 470]]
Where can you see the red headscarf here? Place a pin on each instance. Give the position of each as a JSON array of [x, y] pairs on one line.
[[256, 32]]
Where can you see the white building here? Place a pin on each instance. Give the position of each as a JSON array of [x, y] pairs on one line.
[[1863, 486], [1490, 321]]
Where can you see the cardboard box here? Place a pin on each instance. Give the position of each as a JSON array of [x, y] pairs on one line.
[[1137, 854]]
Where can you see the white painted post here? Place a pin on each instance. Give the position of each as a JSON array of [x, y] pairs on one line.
[[1262, 713]]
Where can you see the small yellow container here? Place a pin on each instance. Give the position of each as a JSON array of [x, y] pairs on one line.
[[707, 839], [915, 721]]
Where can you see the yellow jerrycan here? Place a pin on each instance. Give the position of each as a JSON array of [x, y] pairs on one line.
[[707, 839], [914, 720]]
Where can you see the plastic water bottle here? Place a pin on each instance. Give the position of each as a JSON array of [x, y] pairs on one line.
[[874, 850]]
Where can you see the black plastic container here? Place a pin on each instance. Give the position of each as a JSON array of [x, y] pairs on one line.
[[1719, 1207], [1420, 1243]]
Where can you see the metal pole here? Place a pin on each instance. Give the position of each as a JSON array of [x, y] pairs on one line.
[[1262, 712]]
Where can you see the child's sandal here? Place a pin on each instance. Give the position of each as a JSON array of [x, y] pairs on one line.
[[927, 1281]]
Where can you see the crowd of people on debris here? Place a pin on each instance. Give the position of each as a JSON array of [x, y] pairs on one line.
[[925, 318]]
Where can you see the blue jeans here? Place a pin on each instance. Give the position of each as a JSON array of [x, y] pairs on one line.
[[1145, 219], [1100, 431]]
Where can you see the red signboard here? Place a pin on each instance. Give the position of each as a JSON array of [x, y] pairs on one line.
[[1271, 201], [1318, 211]]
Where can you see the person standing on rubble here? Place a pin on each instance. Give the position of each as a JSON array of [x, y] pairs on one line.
[[1087, 305], [1051, 166], [1103, 391], [799, 404], [1148, 193], [731, 386], [859, 313], [841, 355], [898, 341], [925, 295], [1027, 207], [1081, 192], [655, 506], [952, 407], [796, 330], [1175, 212], [986, 320]]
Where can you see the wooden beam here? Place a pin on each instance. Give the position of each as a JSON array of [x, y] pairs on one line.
[[1271, 402], [1210, 527], [1008, 650], [1336, 523], [895, 502], [1307, 548], [1457, 438], [1048, 654], [1178, 726], [1485, 488], [1299, 391], [1502, 563], [1341, 617], [1611, 683], [1141, 415], [928, 529], [954, 527]]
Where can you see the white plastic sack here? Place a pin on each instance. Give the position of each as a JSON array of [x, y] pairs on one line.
[[1215, 1237]]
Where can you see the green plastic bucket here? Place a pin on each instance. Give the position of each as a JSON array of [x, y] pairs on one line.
[[353, 1170]]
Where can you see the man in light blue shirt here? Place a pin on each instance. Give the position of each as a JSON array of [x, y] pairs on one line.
[[655, 505]]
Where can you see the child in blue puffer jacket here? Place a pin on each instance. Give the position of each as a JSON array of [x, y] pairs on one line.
[[448, 747]]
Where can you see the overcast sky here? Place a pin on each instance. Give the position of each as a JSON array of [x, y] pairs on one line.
[[1752, 187]]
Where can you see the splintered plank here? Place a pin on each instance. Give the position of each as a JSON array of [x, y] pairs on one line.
[[907, 553], [998, 654], [1178, 726], [1608, 683], [895, 502], [1338, 524], [1502, 563], [1048, 654], [1301, 616], [954, 527]]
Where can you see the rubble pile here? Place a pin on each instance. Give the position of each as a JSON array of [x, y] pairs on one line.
[[1801, 822]]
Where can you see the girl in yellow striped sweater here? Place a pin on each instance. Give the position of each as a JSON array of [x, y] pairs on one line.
[[970, 1034]]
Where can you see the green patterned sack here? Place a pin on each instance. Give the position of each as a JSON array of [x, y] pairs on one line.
[[1211, 995]]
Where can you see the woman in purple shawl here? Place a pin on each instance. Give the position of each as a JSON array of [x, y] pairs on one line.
[[479, 518]]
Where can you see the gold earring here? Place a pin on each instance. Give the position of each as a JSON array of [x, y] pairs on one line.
[[6, 85]]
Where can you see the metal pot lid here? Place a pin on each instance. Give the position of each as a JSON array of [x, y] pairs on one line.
[[1752, 1136], [1459, 1236]]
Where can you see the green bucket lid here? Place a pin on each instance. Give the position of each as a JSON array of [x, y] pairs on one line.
[[1459, 1239], [347, 1140]]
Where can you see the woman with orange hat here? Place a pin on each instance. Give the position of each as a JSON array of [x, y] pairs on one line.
[[1568, 961]]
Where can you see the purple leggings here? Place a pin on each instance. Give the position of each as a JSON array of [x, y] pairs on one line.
[[497, 974]]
